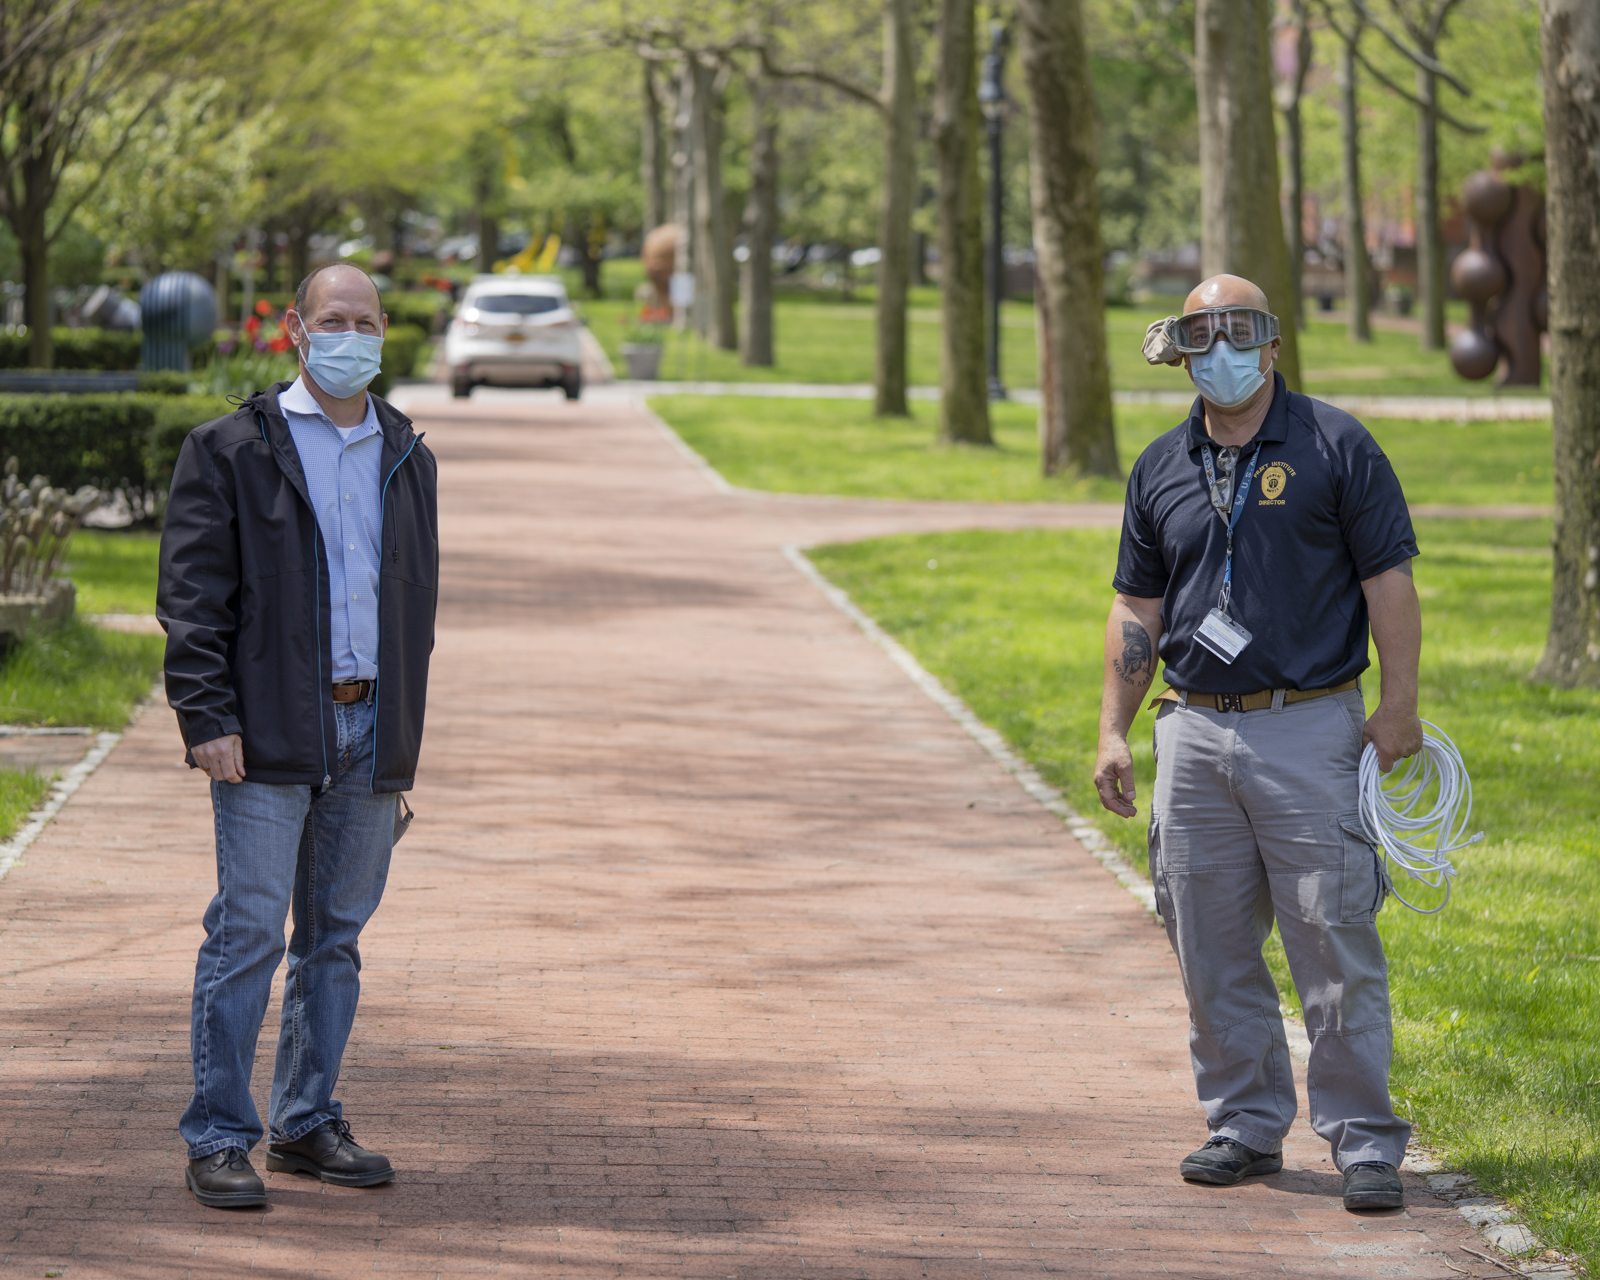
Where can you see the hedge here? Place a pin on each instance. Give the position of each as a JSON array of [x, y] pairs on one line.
[[104, 440], [76, 349], [401, 343]]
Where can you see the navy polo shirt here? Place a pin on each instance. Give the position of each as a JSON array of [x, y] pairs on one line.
[[1324, 512]]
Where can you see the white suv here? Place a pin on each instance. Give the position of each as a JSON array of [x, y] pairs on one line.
[[515, 331]]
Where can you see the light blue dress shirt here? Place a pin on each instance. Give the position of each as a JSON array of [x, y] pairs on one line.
[[342, 480]]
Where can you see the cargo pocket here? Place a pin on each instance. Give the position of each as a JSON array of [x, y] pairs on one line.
[[1366, 883], [1158, 872]]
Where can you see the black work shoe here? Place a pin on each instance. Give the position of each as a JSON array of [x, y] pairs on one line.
[[1373, 1185], [1223, 1162], [330, 1152], [225, 1180]]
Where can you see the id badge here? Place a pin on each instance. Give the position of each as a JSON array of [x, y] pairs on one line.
[[1222, 636]]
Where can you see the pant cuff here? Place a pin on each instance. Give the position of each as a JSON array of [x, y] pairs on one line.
[[1368, 1155], [221, 1144], [1251, 1138], [305, 1127]]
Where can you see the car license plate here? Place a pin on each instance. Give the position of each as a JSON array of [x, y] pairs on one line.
[[516, 335]]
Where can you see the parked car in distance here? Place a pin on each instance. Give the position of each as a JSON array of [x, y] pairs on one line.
[[514, 331]]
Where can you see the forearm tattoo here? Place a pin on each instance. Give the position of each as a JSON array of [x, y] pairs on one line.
[[1136, 666]]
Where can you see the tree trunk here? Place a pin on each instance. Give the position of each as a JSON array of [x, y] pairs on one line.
[[899, 195], [761, 230], [964, 399], [1294, 215], [1430, 240], [35, 250], [1241, 220], [1357, 288], [1075, 424], [713, 238], [1570, 36], [919, 259], [652, 154]]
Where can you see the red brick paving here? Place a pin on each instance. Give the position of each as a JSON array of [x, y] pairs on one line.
[[716, 951]]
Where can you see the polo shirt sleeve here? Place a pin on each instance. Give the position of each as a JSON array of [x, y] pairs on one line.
[[1141, 568], [1372, 511]]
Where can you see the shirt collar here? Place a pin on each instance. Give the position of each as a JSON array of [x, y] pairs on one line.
[[299, 400], [1274, 428]]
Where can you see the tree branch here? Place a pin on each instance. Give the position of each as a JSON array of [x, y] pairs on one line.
[[1421, 59], [1465, 126], [805, 71]]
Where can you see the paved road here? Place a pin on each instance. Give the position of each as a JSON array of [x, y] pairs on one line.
[[716, 951]]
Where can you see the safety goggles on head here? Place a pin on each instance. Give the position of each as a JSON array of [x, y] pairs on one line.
[[1168, 341]]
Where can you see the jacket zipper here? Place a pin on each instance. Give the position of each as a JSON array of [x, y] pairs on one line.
[[383, 515]]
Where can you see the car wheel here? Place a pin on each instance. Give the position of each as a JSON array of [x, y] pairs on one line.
[[461, 387], [573, 386]]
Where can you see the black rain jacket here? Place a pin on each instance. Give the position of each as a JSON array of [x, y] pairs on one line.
[[243, 597]]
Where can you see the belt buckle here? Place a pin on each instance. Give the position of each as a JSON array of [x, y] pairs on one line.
[[1230, 702]]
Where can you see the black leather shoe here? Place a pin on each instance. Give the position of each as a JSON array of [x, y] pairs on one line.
[[1223, 1162], [225, 1180], [1373, 1185], [330, 1152]]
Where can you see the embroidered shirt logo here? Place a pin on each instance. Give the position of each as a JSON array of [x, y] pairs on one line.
[[1274, 479]]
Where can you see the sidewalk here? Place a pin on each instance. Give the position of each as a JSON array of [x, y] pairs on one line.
[[716, 950]]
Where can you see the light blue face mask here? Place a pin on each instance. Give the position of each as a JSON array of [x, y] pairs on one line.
[[343, 363], [1227, 377]]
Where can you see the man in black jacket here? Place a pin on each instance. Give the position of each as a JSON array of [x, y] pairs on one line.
[[299, 579]]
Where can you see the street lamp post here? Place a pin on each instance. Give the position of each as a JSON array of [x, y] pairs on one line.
[[992, 101]]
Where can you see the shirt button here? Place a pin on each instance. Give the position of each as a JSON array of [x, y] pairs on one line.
[[347, 497], [352, 546]]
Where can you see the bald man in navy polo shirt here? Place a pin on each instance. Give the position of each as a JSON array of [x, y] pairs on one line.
[[1261, 539]]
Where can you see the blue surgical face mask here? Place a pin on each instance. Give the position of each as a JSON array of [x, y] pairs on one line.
[[1227, 377], [343, 363]]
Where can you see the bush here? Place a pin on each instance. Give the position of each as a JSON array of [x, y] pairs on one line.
[[418, 307], [401, 345], [76, 440], [76, 348]]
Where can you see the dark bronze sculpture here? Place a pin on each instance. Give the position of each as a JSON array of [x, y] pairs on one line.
[[1502, 274]]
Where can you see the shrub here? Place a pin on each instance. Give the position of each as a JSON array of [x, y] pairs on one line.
[[77, 440], [418, 307], [401, 345], [76, 349]]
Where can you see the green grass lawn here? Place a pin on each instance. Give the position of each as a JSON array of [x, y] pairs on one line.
[[827, 338], [114, 572], [1494, 998], [21, 792], [837, 447]]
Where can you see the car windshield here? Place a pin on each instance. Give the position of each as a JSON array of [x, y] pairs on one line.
[[517, 304]]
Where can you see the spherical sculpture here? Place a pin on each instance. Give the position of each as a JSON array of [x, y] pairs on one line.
[[1473, 355], [1487, 198], [177, 311], [1476, 276]]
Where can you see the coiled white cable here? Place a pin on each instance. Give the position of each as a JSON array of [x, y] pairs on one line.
[[1420, 844]]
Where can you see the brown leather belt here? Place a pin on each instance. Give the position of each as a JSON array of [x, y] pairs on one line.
[[1250, 701], [352, 690]]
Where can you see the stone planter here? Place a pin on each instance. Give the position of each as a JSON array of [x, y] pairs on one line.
[[21, 614], [644, 360]]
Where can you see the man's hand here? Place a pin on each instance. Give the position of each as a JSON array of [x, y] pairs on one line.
[[221, 758], [1113, 776], [1396, 734]]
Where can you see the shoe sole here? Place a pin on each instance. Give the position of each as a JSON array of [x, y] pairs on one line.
[[1376, 1200], [225, 1199], [1222, 1178], [288, 1163]]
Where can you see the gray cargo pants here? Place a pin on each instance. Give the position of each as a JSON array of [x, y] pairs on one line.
[[1255, 816]]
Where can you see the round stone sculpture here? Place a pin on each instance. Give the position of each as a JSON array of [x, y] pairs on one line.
[[177, 311]]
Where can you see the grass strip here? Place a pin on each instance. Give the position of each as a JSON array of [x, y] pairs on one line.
[[1495, 1057], [21, 792], [838, 447], [77, 674]]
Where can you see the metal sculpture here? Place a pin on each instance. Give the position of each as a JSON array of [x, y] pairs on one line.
[[1502, 275], [178, 311]]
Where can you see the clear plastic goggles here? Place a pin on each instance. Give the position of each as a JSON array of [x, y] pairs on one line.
[[1243, 327]]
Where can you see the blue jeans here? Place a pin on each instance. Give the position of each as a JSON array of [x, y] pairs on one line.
[[325, 857]]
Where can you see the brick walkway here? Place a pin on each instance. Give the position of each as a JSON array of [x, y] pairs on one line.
[[716, 951]]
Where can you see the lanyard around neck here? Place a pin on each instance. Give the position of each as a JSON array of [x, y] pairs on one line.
[[1240, 492]]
